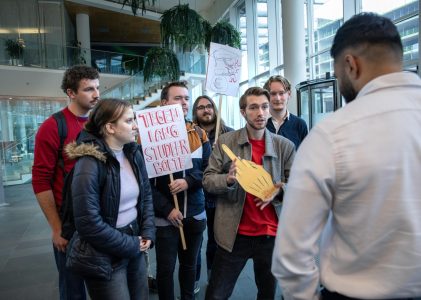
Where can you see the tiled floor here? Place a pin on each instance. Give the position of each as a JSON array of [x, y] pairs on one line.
[[27, 268]]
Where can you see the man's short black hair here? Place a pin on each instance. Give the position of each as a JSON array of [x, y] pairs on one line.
[[367, 29], [75, 74]]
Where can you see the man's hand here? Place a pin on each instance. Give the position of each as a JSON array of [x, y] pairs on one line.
[[59, 242], [178, 185], [231, 179], [175, 217], [263, 203]]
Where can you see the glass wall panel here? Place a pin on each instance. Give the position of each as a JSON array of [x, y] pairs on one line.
[[405, 15], [262, 36], [327, 18], [243, 24], [20, 119]]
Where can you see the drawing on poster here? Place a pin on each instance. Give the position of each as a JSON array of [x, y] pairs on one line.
[[224, 69]]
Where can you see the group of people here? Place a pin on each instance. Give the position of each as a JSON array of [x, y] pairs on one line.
[[349, 197]]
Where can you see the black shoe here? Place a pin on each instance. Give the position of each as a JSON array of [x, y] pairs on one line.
[[152, 284]]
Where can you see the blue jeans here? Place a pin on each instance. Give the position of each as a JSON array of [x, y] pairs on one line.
[[227, 266], [128, 281], [167, 247], [71, 285]]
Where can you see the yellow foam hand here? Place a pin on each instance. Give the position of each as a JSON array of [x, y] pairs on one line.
[[253, 178]]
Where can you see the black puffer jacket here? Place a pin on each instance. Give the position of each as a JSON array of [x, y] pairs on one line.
[[96, 211]]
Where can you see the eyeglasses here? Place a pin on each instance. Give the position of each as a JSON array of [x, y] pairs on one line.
[[203, 107], [273, 94]]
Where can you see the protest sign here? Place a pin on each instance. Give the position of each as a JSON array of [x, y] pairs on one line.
[[164, 140]]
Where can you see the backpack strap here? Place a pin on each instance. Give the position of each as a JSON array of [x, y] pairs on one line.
[[62, 134]]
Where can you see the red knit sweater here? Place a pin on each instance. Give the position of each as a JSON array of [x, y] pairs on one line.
[[46, 175]]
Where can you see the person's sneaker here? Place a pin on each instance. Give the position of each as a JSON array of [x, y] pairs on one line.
[[196, 287], [152, 284]]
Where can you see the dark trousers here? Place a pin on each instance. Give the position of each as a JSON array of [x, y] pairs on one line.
[[328, 295], [168, 247], [211, 246], [71, 285], [128, 281], [227, 266]]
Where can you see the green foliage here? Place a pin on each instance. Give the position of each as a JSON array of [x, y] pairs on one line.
[[208, 29], [226, 34], [136, 4], [161, 62], [183, 27], [14, 48]]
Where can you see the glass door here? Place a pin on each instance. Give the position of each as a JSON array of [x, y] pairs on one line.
[[317, 99]]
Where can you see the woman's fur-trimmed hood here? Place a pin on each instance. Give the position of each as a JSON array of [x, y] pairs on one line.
[[74, 150]]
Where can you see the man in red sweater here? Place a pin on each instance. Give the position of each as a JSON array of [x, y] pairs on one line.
[[245, 226], [81, 85]]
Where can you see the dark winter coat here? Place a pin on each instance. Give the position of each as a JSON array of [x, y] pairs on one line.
[[96, 211]]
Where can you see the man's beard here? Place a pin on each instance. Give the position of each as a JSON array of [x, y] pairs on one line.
[[347, 90], [207, 121]]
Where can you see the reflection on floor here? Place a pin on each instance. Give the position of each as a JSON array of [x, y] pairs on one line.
[[27, 268]]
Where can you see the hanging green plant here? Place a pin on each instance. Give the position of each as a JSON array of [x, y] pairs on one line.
[[208, 32], [226, 34], [161, 62], [136, 4], [183, 27]]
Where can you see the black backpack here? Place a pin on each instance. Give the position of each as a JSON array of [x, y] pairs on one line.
[[66, 209]]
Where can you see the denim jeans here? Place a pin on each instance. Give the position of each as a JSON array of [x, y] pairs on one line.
[[227, 266], [71, 285], [167, 247], [128, 281]]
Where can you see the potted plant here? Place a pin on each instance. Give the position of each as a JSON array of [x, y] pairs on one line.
[[224, 33], [182, 27], [15, 50], [161, 62], [136, 4]]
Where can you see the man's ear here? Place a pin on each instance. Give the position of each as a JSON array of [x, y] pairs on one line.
[[352, 66], [164, 102], [243, 113], [70, 93]]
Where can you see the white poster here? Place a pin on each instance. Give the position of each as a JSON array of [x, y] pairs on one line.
[[224, 67], [164, 140]]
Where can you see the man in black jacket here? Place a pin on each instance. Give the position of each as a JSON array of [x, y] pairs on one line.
[[191, 215]]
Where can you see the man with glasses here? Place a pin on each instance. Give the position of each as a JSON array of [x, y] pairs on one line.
[[204, 114], [282, 121], [245, 226]]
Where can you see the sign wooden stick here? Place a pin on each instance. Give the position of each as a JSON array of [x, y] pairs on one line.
[[218, 119], [183, 239]]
